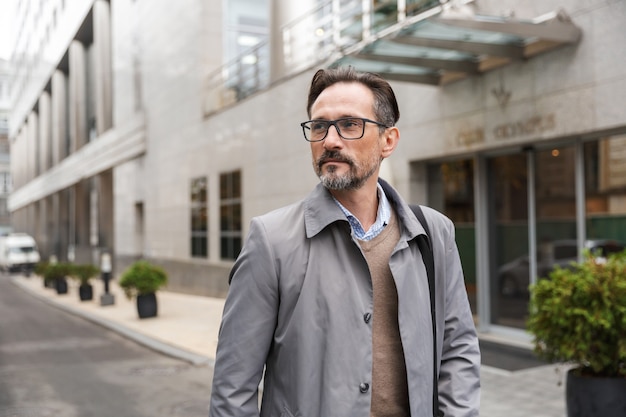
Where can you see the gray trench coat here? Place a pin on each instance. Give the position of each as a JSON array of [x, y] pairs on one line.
[[299, 308]]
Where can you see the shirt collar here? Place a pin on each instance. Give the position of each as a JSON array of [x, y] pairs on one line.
[[383, 215], [320, 211]]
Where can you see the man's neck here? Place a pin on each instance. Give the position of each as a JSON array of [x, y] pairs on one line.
[[362, 203]]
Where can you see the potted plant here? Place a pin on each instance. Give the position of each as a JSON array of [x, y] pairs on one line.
[[84, 273], [40, 270], [56, 274], [142, 280], [578, 316]]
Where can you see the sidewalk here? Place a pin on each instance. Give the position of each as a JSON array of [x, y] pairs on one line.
[[187, 328]]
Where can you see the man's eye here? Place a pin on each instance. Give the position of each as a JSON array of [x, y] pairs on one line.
[[349, 123], [319, 126]]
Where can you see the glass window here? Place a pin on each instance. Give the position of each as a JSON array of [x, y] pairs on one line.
[[245, 45], [451, 191], [508, 239], [230, 215], [199, 227], [605, 193], [555, 190]]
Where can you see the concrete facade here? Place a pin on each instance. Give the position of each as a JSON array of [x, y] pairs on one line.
[[124, 187], [6, 74]]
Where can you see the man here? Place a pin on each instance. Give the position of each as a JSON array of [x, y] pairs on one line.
[[330, 295]]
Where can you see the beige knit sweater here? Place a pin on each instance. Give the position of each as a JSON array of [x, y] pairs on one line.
[[389, 384]]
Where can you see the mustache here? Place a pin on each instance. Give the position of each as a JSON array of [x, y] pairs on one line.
[[335, 156]]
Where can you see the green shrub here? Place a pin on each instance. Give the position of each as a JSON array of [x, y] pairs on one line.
[[40, 268], [55, 271], [142, 278], [84, 272], [578, 315]]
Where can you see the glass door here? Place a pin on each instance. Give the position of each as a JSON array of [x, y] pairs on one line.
[[507, 195], [555, 207], [451, 191]]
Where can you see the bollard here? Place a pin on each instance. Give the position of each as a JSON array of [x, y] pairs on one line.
[[107, 298]]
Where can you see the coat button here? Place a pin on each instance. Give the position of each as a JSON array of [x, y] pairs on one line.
[[367, 317], [364, 387]]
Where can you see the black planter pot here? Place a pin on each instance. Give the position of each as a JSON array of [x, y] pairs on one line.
[[147, 305], [61, 285], [85, 292], [588, 396]]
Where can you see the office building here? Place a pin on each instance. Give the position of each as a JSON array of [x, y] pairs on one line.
[[158, 129], [5, 166]]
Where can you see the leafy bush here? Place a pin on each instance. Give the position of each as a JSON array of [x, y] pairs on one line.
[[84, 272], [142, 278], [40, 268], [578, 315], [57, 270]]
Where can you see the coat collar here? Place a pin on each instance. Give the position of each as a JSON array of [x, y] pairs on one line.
[[320, 210]]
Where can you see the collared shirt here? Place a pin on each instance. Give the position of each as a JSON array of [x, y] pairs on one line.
[[382, 218]]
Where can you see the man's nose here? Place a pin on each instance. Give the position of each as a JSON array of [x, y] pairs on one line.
[[333, 139]]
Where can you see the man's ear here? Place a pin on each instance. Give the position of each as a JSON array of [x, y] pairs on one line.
[[391, 137]]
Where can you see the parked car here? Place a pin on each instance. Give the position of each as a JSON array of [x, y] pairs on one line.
[[514, 276], [18, 252]]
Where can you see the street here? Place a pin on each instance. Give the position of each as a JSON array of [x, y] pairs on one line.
[[53, 363]]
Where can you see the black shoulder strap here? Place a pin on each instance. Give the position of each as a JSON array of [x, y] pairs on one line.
[[426, 249]]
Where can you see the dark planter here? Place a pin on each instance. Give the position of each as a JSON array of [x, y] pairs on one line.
[[147, 305], [61, 285], [588, 396], [85, 292]]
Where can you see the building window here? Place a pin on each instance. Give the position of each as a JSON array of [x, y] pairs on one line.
[[5, 183], [230, 215], [199, 227], [451, 191], [605, 192]]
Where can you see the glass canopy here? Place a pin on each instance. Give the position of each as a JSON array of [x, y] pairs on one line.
[[455, 43]]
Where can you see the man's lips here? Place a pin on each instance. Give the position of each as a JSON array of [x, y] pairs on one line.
[[333, 160]]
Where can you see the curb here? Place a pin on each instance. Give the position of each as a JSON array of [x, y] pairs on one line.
[[147, 341]]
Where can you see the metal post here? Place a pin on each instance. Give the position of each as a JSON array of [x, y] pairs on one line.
[[105, 269]]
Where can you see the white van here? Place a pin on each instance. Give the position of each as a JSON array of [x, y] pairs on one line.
[[18, 252]]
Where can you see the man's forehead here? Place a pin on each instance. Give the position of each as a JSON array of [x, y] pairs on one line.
[[344, 95]]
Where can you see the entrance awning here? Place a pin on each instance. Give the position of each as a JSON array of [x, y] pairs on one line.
[[456, 43]]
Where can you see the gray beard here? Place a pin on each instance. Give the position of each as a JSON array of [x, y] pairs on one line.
[[346, 182]]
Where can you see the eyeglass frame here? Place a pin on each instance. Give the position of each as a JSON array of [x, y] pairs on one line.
[[334, 123]]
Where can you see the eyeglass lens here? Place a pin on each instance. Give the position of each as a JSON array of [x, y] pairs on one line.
[[348, 128]]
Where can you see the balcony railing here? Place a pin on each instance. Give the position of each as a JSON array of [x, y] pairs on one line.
[[326, 32]]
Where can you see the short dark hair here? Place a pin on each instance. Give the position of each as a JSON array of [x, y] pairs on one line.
[[385, 104]]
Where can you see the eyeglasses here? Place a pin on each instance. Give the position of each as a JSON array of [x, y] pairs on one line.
[[349, 128]]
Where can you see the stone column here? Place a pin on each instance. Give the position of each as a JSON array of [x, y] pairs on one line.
[[16, 155], [19, 219], [103, 65], [52, 221], [105, 212], [31, 146], [81, 219], [65, 230], [78, 96], [31, 219], [40, 230], [45, 139], [281, 13], [54, 225], [59, 117]]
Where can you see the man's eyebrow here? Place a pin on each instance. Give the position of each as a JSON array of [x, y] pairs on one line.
[[347, 116]]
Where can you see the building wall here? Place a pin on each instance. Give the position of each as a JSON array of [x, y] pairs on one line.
[[568, 92], [5, 161], [564, 93], [161, 56]]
